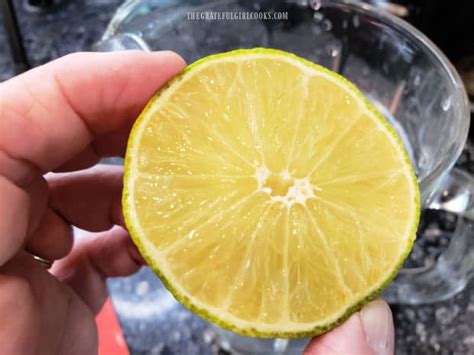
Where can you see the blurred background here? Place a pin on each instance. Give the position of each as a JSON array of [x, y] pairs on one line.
[[33, 32]]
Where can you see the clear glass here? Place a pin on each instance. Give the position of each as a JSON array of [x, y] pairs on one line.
[[401, 72]]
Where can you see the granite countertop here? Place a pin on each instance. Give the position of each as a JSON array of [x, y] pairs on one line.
[[444, 327]]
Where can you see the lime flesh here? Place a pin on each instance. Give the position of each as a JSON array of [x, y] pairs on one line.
[[267, 193]]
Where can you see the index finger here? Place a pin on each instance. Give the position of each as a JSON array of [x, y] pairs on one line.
[[52, 113]]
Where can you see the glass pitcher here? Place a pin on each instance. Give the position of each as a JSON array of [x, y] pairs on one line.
[[401, 72]]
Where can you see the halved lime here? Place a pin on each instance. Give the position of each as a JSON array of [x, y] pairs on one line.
[[268, 194]]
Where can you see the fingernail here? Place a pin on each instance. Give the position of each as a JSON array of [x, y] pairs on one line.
[[377, 323]]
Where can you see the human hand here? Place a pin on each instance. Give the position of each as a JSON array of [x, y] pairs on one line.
[[63, 117], [368, 332]]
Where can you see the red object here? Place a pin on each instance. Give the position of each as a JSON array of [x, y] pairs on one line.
[[111, 340]]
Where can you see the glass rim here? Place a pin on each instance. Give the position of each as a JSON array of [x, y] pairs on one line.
[[460, 94], [420, 39]]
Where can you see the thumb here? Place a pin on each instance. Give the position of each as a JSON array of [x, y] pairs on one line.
[[368, 332]]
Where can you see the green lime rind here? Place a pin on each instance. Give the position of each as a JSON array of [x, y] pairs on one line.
[[186, 301]]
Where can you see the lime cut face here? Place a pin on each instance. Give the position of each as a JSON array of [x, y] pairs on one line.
[[268, 194]]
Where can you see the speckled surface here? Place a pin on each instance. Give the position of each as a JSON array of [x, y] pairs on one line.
[[153, 322]]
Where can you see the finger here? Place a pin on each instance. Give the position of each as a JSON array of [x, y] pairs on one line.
[[37, 192], [89, 199], [369, 332], [21, 173], [20, 315], [85, 159], [52, 239], [96, 257], [377, 321], [61, 107], [114, 254], [41, 314], [106, 145], [14, 221]]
